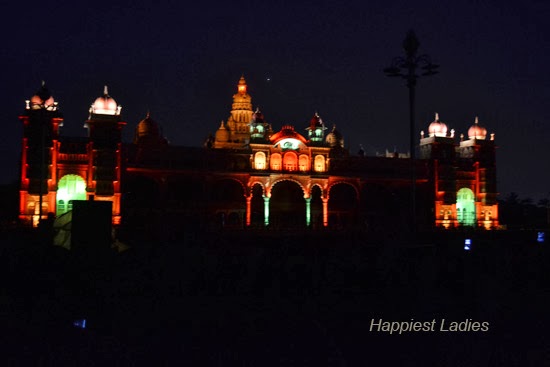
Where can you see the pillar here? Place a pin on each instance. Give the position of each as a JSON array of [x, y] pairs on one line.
[[266, 210], [308, 211], [325, 212], [248, 210]]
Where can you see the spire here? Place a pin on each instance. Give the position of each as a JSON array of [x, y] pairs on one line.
[[436, 116], [105, 90], [241, 88], [476, 120]]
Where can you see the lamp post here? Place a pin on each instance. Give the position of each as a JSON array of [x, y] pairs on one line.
[[405, 67]]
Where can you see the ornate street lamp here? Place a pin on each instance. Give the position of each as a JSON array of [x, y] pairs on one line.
[[405, 67]]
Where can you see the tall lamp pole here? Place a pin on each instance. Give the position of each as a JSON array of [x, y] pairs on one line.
[[405, 67]]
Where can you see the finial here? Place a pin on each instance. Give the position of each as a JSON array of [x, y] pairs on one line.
[[422, 134], [148, 114], [476, 121], [43, 83], [452, 133], [492, 136], [436, 116], [105, 90], [221, 125], [461, 137]]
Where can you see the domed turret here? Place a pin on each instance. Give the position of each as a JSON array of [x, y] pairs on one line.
[[148, 131], [105, 105], [258, 126], [335, 139], [42, 99], [476, 131], [316, 129], [222, 134], [437, 128]]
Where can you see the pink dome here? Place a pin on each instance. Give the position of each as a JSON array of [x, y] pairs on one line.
[[476, 131], [437, 128], [105, 105]]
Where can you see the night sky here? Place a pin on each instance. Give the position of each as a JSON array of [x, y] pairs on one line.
[[182, 63]]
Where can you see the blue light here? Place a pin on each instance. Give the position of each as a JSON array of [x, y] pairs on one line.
[[467, 244], [80, 323], [540, 237]]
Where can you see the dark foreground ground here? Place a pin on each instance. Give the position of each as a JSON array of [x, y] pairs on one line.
[[294, 299]]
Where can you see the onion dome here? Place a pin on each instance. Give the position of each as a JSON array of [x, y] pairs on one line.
[[476, 131], [222, 134], [42, 99], [147, 128], [258, 117], [315, 122], [437, 128], [334, 138], [105, 105]]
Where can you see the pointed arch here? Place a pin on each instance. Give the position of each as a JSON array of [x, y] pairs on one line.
[[70, 187], [465, 207]]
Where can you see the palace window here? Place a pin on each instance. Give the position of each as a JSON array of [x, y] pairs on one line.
[[276, 162], [319, 163], [290, 161], [259, 160]]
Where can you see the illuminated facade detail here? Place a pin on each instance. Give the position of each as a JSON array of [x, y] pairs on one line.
[[259, 161], [464, 176], [73, 168], [238, 124], [316, 129], [276, 162], [319, 163], [69, 188], [465, 207], [249, 175]]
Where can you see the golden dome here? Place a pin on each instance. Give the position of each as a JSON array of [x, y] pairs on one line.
[[148, 127], [222, 134], [334, 138]]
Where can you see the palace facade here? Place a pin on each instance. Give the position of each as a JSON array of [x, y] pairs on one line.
[[248, 175]]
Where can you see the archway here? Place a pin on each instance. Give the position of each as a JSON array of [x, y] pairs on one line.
[[69, 188], [287, 205], [342, 205], [316, 207], [465, 207], [257, 206], [227, 196]]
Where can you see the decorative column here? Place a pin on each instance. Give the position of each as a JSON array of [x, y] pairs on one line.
[[248, 206], [266, 210], [325, 212], [308, 211]]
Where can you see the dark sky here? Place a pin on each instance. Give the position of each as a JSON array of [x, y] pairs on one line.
[[182, 63]]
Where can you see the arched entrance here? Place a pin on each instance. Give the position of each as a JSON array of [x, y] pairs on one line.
[[316, 207], [287, 205], [257, 206], [465, 207], [342, 205], [69, 188], [227, 197]]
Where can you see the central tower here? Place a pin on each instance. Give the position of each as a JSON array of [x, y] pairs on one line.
[[237, 128]]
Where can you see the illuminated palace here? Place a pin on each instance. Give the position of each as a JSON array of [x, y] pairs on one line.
[[248, 175]]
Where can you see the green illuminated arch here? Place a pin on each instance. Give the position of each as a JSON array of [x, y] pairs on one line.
[[69, 188], [465, 207]]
